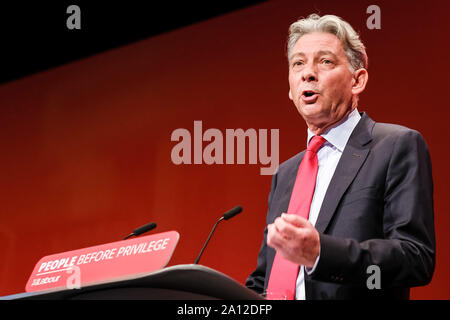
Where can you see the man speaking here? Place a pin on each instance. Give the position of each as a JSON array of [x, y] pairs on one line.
[[359, 198]]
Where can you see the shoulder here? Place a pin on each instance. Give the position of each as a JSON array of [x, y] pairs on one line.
[[398, 135], [403, 147], [390, 129], [388, 133]]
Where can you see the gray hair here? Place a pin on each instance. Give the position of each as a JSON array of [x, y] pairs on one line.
[[353, 47]]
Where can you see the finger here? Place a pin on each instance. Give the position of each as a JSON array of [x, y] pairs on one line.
[[271, 237], [285, 228], [274, 238], [295, 220]]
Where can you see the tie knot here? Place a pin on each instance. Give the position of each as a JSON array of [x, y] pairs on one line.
[[315, 143]]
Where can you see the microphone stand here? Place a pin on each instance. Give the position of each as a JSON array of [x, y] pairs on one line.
[[207, 240]]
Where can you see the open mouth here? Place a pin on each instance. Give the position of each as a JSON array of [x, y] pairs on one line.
[[308, 93], [309, 96]]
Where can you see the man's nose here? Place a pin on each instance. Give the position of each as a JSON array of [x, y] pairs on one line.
[[309, 73]]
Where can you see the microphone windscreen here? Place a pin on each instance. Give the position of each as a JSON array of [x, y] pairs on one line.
[[144, 228], [231, 213]]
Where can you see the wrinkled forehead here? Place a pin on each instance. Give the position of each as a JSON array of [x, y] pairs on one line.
[[315, 43]]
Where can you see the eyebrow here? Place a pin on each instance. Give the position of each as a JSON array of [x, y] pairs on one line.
[[320, 53], [325, 52]]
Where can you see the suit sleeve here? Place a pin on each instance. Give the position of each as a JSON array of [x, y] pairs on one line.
[[406, 254], [256, 280]]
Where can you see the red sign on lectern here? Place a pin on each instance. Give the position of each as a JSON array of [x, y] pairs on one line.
[[114, 261]]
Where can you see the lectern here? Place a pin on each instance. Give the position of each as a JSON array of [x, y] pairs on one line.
[[180, 282]]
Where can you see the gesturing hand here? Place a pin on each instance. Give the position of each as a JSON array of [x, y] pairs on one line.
[[295, 238]]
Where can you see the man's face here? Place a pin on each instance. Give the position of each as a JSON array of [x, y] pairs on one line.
[[320, 80]]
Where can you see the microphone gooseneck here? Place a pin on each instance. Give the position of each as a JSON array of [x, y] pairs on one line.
[[226, 216]]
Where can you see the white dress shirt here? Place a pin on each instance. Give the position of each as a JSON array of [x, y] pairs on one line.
[[328, 157]]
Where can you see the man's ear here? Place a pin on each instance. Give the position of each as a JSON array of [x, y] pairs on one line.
[[359, 82], [290, 95]]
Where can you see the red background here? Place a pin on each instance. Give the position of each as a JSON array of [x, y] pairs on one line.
[[85, 148]]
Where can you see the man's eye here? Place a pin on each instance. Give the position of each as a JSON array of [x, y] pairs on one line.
[[298, 63], [326, 61]]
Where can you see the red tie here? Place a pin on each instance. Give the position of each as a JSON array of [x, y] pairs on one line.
[[283, 276]]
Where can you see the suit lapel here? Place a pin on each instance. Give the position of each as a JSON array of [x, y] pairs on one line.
[[353, 157]]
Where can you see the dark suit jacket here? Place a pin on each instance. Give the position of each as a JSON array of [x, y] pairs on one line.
[[378, 210]]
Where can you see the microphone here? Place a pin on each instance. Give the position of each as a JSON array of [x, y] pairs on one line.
[[141, 230], [226, 216], [231, 213]]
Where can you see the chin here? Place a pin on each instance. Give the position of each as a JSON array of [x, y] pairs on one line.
[[311, 110]]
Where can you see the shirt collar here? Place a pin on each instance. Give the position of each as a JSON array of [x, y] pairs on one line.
[[339, 134]]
